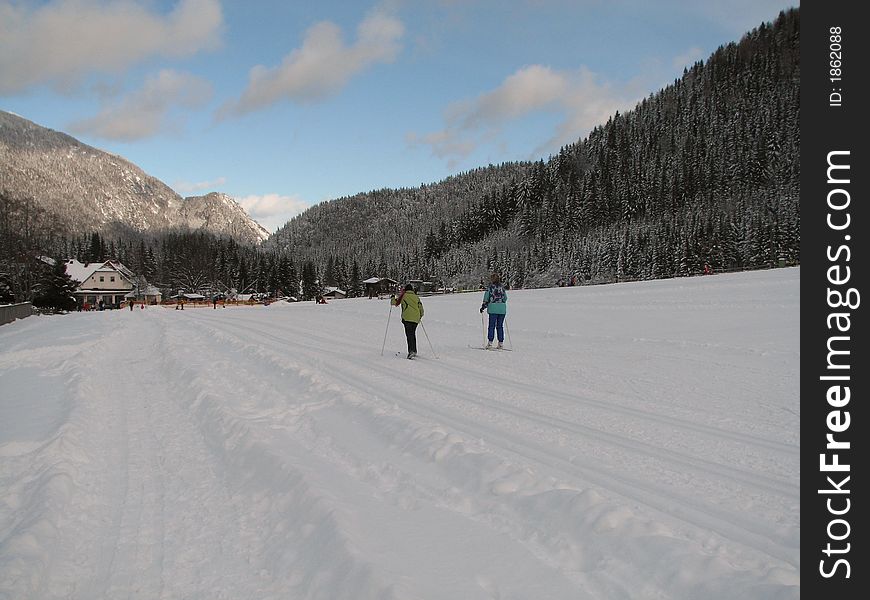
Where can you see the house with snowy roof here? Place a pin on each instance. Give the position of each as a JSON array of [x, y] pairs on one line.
[[109, 281], [188, 297], [379, 285], [333, 292], [146, 293], [423, 287]]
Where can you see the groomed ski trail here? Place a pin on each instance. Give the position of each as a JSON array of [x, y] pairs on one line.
[[271, 452]]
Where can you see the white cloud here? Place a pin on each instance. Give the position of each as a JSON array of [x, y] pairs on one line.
[[590, 102], [186, 187], [529, 89], [272, 210], [580, 97], [322, 66], [62, 41], [148, 111], [444, 144], [687, 58]]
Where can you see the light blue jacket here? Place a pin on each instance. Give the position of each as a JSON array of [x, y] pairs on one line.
[[495, 299]]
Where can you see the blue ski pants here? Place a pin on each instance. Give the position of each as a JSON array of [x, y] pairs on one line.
[[496, 324]]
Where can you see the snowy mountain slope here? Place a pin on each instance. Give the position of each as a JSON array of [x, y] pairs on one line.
[[640, 442], [85, 189], [221, 214]]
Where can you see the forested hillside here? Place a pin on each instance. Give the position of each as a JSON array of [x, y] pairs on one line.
[[173, 261], [704, 172], [79, 188]]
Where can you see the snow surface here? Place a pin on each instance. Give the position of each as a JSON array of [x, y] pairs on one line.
[[640, 442]]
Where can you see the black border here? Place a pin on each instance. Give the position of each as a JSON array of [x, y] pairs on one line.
[[826, 128]]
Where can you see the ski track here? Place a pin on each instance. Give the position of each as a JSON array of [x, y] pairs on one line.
[[273, 453], [772, 484], [752, 533]]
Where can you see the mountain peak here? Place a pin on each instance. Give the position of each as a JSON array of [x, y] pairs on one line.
[[221, 214], [86, 189]]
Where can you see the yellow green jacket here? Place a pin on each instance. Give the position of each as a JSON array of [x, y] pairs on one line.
[[412, 308]]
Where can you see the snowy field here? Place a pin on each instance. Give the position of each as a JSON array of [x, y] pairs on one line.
[[640, 442]]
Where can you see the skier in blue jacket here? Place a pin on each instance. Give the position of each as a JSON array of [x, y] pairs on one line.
[[495, 303]]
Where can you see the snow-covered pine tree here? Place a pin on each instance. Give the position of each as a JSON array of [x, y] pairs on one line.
[[55, 292]]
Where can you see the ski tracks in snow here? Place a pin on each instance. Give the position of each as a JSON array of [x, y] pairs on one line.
[[496, 468], [272, 453], [144, 509]]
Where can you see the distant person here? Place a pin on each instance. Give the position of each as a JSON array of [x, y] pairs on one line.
[[101, 305], [495, 303], [412, 314], [131, 304], [214, 302]]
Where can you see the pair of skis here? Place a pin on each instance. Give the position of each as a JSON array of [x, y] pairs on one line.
[[491, 348], [486, 337]]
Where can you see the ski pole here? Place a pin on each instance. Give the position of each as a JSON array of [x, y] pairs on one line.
[[508, 331], [387, 329], [428, 340], [483, 328]]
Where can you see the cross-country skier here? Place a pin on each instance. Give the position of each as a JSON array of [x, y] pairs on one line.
[[412, 313], [495, 303]]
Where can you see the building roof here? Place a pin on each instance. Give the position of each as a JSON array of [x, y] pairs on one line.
[[148, 290], [102, 291], [82, 271], [379, 279]]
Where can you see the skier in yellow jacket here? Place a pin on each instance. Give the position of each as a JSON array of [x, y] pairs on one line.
[[412, 313]]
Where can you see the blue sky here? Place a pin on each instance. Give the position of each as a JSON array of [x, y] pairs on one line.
[[284, 104]]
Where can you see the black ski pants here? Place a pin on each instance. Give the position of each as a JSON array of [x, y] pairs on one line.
[[411, 334]]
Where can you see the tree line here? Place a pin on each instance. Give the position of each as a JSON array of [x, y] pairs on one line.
[[173, 261], [703, 174]]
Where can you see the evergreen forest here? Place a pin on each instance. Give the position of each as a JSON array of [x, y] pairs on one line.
[[702, 175]]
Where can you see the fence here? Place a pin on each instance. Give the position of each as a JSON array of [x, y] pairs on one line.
[[10, 312]]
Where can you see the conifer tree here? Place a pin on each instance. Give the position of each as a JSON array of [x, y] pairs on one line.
[[56, 289]]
